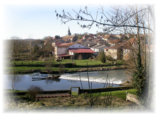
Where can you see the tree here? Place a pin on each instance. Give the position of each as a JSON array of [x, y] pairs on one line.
[[101, 57], [107, 23], [18, 48], [128, 20], [143, 70]]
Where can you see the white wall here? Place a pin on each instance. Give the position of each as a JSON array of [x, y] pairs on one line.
[[71, 53], [112, 53], [96, 50], [61, 50]]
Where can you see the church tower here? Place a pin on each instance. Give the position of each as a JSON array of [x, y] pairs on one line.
[[69, 33]]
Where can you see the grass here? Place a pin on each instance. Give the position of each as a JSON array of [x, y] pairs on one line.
[[56, 69], [120, 94], [78, 62], [74, 102]]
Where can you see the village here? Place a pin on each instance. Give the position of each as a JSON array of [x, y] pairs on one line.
[[117, 47], [110, 70]]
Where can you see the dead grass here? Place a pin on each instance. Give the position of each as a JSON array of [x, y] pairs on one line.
[[72, 102]]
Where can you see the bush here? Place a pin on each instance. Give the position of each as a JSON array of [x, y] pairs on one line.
[[94, 57], [61, 68], [80, 57], [33, 90], [102, 57], [110, 58]]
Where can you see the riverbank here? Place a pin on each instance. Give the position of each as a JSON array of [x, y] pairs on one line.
[[55, 70], [76, 103]]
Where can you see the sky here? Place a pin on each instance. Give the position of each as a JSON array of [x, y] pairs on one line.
[[37, 20]]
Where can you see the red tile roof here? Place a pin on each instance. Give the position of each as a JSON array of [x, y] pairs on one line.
[[114, 41], [65, 44], [82, 51]]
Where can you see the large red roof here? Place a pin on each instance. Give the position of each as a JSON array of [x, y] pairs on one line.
[[82, 51]]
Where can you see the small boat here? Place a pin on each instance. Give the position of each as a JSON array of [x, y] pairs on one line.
[[38, 76]]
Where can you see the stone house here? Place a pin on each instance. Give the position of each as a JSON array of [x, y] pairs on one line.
[[121, 50], [115, 52]]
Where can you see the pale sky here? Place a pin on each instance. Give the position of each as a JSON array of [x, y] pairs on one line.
[[38, 21]]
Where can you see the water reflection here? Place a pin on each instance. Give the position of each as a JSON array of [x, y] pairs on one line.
[[47, 81], [14, 79], [72, 81]]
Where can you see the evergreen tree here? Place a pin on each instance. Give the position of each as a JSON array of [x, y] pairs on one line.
[[102, 57]]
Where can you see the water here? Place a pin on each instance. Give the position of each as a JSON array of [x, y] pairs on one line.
[[98, 79]]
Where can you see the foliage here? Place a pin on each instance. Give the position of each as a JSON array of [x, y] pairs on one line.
[[48, 66], [109, 57], [61, 68], [102, 57], [80, 57], [33, 90]]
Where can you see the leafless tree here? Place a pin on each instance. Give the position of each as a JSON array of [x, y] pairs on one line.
[[18, 48], [107, 22], [128, 20]]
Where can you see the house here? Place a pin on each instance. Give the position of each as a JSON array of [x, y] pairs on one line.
[[88, 43], [61, 50], [68, 50], [113, 42], [72, 38], [115, 52], [98, 48], [77, 49], [121, 50]]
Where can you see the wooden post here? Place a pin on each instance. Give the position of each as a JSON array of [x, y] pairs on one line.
[[78, 90], [70, 90]]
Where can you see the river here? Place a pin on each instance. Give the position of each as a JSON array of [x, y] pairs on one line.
[[67, 80]]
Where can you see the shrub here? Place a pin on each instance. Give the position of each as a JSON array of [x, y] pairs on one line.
[[80, 57], [110, 58], [94, 57], [33, 90], [61, 68], [102, 57]]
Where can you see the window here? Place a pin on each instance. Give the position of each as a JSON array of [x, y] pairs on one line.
[[106, 49]]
